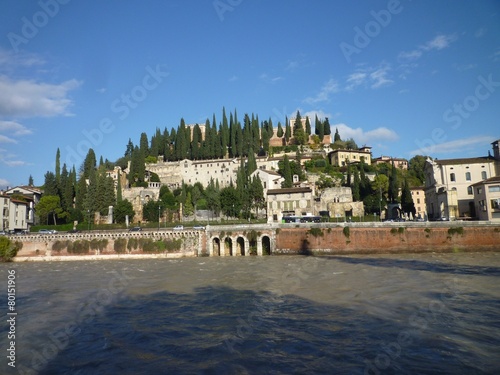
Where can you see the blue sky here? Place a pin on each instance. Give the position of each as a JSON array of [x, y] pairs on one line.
[[405, 77]]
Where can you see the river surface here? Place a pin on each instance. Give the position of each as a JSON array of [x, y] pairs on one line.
[[377, 314]]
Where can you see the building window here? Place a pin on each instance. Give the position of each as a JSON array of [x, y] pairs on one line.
[[469, 190], [418, 200], [467, 176], [494, 189], [452, 177], [484, 176], [479, 190], [495, 204]]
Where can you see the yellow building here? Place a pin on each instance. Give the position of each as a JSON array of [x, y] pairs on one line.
[[340, 158]]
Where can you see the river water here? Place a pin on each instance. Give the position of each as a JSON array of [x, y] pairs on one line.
[[377, 314]]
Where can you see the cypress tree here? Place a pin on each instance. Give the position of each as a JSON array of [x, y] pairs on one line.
[[356, 187], [393, 185], [326, 127], [319, 128], [119, 196], [58, 166], [308, 126], [287, 173], [288, 131], [89, 163], [144, 144], [280, 131]]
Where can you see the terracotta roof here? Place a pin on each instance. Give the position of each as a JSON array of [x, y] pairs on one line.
[[490, 180], [289, 191], [478, 160]]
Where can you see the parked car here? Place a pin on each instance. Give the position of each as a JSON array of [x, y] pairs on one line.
[[73, 231], [179, 227], [135, 229], [199, 227], [3, 233], [47, 231]]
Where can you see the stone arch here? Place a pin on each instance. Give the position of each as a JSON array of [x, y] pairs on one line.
[[215, 246], [228, 246], [241, 246], [265, 245]]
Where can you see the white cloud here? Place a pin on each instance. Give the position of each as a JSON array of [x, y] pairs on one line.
[[4, 183], [27, 98], [5, 139], [10, 60], [14, 128], [456, 146], [355, 79], [266, 78], [438, 43], [480, 32], [233, 78], [379, 77], [328, 88], [363, 137]]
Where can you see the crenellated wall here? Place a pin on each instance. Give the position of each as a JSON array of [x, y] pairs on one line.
[[180, 243], [245, 240]]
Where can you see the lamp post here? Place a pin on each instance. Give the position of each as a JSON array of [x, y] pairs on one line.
[[159, 217], [88, 220]]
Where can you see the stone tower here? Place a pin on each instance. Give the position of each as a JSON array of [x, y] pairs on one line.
[[496, 154]]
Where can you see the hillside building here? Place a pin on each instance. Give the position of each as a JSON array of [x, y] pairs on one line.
[[449, 191]]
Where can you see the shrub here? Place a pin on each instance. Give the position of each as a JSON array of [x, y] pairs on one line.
[[173, 245], [347, 232], [120, 245], [401, 230], [58, 246], [80, 247], [8, 249], [100, 245], [316, 232], [456, 230], [132, 244]]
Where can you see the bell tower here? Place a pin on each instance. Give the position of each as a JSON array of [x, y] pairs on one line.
[[496, 155]]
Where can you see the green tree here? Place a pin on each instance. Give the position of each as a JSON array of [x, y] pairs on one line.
[[299, 134], [50, 185], [89, 163], [122, 209], [58, 166], [355, 187], [230, 201], [393, 185], [30, 181], [407, 204], [416, 167], [49, 205], [288, 131], [319, 129], [280, 131], [287, 173], [152, 211], [8, 249], [326, 127], [308, 126]]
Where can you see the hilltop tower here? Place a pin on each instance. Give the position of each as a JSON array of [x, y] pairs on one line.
[[496, 155]]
